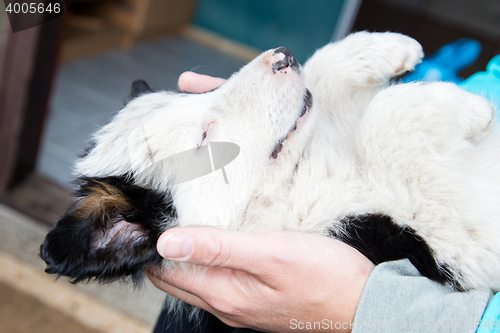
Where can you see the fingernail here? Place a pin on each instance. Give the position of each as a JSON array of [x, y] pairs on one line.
[[175, 247]]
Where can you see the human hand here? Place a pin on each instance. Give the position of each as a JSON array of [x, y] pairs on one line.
[[198, 83], [265, 281], [250, 279]]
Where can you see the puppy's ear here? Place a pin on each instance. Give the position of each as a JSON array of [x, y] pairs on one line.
[[139, 87], [110, 232]]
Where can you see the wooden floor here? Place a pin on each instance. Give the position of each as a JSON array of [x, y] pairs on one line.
[[22, 313], [89, 91], [33, 301]]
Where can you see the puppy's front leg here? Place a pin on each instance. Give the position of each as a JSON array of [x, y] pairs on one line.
[[363, 59]]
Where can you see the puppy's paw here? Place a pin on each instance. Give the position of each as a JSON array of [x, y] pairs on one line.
[[406, 51], [449, 107], [391, 54], [438, 114]]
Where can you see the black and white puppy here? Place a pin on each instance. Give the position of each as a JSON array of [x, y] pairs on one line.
[[402, 171]]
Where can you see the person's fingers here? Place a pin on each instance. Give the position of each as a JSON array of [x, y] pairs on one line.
[[198, 83], [157, 277], [207, 282]]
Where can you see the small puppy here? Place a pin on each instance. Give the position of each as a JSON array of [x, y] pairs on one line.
[[396, 171]]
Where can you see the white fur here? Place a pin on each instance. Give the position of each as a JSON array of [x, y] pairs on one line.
[[428, 155]]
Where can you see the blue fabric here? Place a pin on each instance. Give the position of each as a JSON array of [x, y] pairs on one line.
[[490, 323], [486, 84], [446, 62]]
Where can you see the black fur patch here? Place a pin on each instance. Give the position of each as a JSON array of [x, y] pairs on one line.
[[139, 87], [380, 239], [110, 232]]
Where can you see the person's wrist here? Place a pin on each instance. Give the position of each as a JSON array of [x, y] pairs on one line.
[[346, 304]]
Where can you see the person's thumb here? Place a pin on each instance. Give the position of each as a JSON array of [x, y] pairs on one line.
[[198, 83], [213, 247]]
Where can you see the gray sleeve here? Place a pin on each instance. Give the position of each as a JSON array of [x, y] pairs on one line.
[[398, 299]]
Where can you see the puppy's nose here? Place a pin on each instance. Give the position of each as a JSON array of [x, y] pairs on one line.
[[288, 60]]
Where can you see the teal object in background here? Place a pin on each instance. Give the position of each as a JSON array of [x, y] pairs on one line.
[[447, 62], [302, 26], [450, 59], [487, 83]]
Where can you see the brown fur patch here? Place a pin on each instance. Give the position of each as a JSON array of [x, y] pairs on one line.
[[103, 202]]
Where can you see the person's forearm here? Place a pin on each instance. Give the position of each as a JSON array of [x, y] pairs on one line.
[[398, 299]]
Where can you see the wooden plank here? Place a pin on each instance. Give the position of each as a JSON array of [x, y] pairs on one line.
[[39, 198], [138, 21], [221, 44], [85, 43], [16, 73], [36, 111], [27, 71]]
